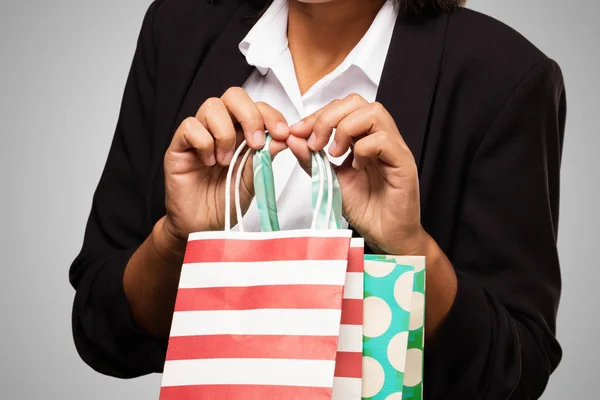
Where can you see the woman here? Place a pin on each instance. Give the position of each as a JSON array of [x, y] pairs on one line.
[[455, 123]]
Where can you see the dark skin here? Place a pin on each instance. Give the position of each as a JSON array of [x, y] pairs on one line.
[[379, 181], [311, 26]]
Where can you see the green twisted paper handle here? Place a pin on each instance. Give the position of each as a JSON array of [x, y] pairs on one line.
[[264, 188]]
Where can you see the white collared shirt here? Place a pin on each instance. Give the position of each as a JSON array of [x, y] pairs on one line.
[[274, 82]]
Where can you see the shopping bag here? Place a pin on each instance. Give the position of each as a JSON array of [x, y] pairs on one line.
[[394, 308], [258, 314], [347, 384]]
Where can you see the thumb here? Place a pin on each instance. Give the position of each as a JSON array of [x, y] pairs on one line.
[[276, 147], [300, 149]]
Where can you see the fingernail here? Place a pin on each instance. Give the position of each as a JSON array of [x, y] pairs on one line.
[[227, 157], [355, 164], [259, 138], [282, 128], [312, 139], [332, 147], [211, 160]]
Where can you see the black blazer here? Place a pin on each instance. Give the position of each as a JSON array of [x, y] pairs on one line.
[[483, 112]]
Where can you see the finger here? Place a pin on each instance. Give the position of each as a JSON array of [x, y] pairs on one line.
[[192, 135], [383, 146], [365, 120], [347, 163], [246, 113], [299, 148], [276, 147], [303, 128], [274, 121], [328, 118], [216, 119]]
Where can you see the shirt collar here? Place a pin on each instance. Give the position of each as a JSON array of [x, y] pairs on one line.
[[370, 53], [267, 40]]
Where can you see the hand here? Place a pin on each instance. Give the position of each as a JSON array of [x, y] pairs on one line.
[[378, 180], [199, 155]]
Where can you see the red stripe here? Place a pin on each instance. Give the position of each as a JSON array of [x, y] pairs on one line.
[[258, 297], [348, 365], [246, 392], [252, 346], [356, 261], [233, 250], [352, 312]]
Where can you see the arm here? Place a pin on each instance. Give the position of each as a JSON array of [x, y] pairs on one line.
[[104, 330], [491, 304], [498, 339], [127, 272]]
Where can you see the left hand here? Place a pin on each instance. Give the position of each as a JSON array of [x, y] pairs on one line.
[[378, 180]]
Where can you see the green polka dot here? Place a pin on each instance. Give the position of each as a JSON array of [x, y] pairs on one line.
[[397, 335]]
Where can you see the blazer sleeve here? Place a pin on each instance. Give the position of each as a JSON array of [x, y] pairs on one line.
[[104, 332], [498, 341]]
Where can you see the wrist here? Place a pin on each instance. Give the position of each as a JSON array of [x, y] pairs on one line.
[[421, 244], [428, 247], [168, 247], [432, 251], [416, 244]]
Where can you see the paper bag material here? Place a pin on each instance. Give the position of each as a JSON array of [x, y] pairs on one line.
[[393, 327], [347, 383], [257, 316]]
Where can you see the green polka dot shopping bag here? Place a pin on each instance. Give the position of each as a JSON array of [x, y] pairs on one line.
[[393, 327]]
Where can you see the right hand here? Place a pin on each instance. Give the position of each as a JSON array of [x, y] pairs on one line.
[[199, 155]]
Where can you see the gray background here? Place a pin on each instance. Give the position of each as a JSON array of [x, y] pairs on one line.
[[62, 71]]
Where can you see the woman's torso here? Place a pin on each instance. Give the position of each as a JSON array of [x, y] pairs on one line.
[[445, 79]]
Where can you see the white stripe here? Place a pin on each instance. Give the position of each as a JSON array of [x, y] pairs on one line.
[[357, 242], [248, 371], [257, 322], [300, 233], [351, 339], [346, 389], [354, 286], [243, 274]]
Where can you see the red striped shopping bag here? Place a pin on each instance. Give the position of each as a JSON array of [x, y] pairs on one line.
[[267, 315], [347, 384], [257, 316]]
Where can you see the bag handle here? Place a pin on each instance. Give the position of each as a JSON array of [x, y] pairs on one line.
[[264, 189], [324, 184], [330, 216]]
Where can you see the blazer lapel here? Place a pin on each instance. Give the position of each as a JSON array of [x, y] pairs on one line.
[[407, 87], [409, 80], [224, 66]]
